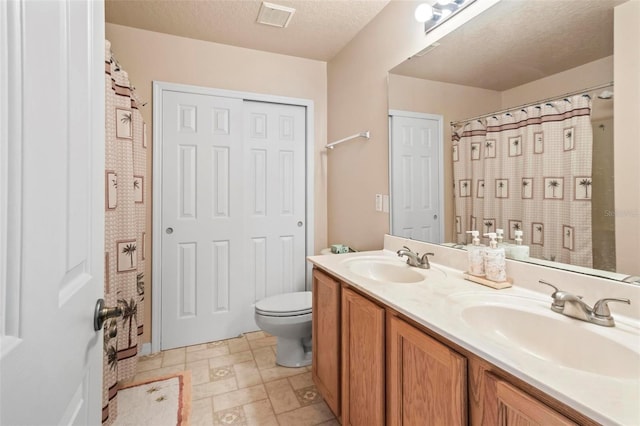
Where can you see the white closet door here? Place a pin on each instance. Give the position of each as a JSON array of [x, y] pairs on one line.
[[274, 146], [233, 195]]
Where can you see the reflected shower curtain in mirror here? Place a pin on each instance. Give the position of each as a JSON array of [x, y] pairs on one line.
[[529, 170], [125, 169]]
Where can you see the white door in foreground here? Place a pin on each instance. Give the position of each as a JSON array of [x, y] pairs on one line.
[[51, 211]]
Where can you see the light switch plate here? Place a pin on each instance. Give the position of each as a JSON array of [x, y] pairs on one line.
[[378, 202]]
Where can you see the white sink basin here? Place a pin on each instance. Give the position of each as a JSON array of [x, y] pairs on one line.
[[551, 337], [384, 269]]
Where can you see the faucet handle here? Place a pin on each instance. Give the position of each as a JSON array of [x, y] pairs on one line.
[[601, 308], [558, 297], [550, 285]]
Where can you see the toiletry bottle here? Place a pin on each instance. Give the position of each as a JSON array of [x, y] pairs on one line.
[[495, 267], [475, 252], [501, 243], [519, 251]]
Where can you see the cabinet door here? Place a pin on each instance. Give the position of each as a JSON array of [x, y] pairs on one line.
[[362, 361], [506, 405], [426, 380], [326, 339]]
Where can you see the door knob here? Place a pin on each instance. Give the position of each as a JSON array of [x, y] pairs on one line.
[[169, 230], [102, 314], [300, 224]]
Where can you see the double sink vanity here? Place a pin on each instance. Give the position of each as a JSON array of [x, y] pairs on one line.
[[397, 344]]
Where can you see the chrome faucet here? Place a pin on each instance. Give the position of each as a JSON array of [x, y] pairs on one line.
[[573, 306], [414, 259]]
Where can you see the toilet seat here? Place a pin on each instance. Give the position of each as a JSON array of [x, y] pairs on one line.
[[285, 305]]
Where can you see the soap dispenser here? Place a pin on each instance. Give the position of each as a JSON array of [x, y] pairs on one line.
[[501, 243], [494, 260], [476, 255], [519, 251]]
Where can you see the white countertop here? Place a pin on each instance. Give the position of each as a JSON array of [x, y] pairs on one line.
[[437, 303]]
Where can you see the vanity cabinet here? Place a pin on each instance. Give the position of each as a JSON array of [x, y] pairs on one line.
[[505, 404], [363, 350], [374, 366], [326, 341], [426, 381]]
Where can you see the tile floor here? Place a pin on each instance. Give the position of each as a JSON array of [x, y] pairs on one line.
[[237, 382]]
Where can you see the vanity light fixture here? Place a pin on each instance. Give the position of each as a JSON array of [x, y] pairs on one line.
[[436, 14]]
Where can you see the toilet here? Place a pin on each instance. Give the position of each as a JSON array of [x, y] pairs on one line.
[[288, 317]]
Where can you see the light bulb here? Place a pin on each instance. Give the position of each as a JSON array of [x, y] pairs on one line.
[[444, 2], [445, 13], [423, 12]]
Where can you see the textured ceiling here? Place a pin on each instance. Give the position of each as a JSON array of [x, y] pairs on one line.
[[518, 41], [318, 30]]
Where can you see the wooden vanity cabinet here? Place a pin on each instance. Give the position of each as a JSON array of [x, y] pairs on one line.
[[505, 404], [426, 381], [363, 350], [326, 341], [373, 366]]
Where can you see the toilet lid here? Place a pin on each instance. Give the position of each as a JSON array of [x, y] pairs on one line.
[[287, 304]]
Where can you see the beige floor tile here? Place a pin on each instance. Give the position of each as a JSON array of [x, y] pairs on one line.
[[282, 396], [255, 335], [202, 412], [174, 357], [308, 395], [200, 375], [219, 387], [240, 344], [247, 374], [265, 358], [230, 416], [263, 342], [202, 363], [221, 373], [147, 363], [239, 397], [158, 372], [278, 372], [306, 416], [207, 353], [260, 413], [332, 422], [230, 359], [300, 381], [195, 348]]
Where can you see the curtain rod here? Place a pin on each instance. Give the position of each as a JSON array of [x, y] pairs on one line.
[[365, 135], [601, 86]]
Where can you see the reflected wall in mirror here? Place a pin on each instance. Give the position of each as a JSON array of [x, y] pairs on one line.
[[513, 58]]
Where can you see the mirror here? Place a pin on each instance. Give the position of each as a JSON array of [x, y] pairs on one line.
[[515, 54]]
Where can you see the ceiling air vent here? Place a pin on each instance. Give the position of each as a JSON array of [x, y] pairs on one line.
[[275, 15]]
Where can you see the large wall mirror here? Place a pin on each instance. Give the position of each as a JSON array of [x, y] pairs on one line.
[[519, 60]]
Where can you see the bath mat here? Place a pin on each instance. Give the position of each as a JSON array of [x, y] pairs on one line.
[[159, 401]]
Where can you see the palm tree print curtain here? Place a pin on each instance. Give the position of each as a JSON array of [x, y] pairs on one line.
[[529, 170], [124, 230]]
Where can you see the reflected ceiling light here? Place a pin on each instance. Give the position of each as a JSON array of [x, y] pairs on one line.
[[432, 16], [424, 12]]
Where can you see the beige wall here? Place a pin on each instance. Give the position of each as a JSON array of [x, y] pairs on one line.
[[434, 97], [149, 56], [588, 75], [357, 101], [627, 135]]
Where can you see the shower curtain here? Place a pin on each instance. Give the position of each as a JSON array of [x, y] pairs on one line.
[[528, 170], [125, 198]]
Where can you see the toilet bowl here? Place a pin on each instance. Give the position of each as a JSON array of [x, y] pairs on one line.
[[288, 317]]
